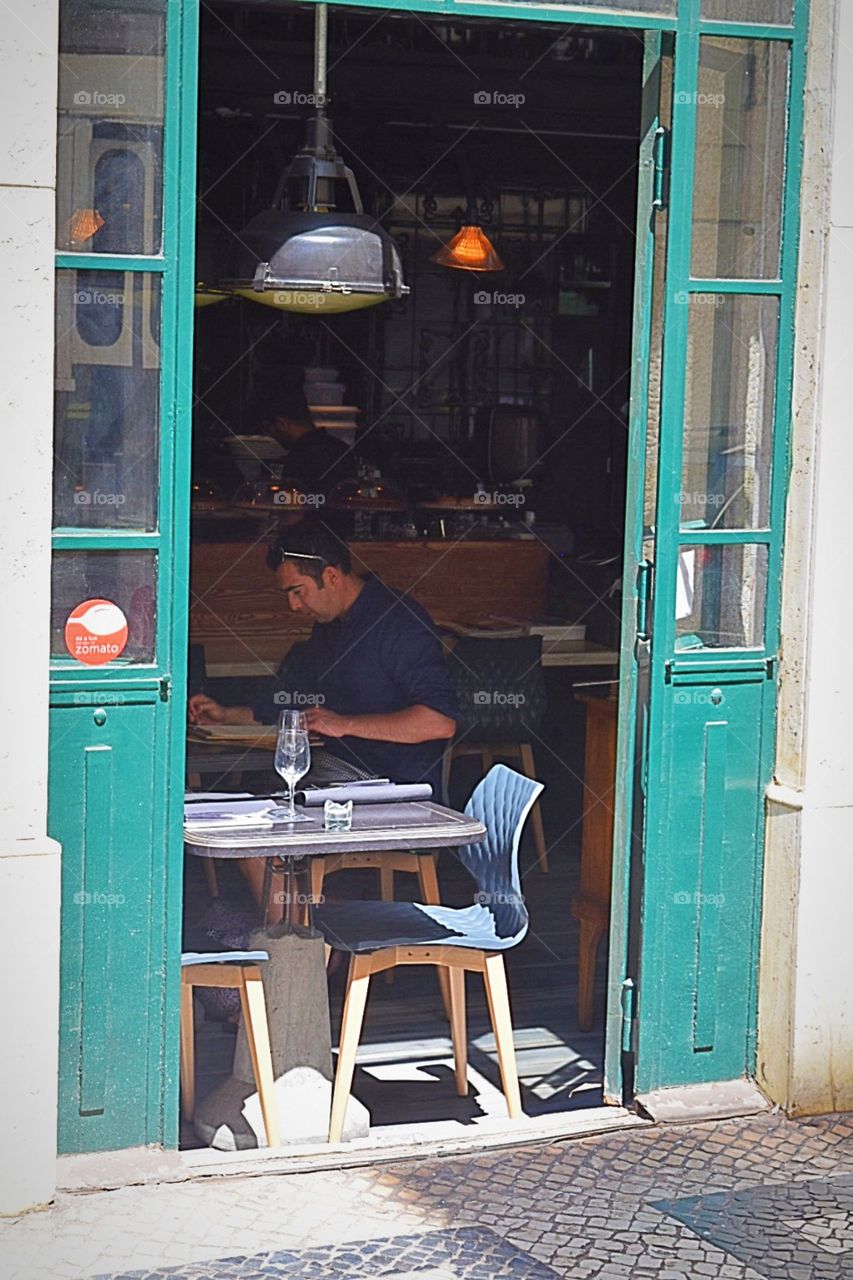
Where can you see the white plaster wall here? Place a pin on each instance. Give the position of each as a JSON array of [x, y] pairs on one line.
[[806, 999], [29, 862]]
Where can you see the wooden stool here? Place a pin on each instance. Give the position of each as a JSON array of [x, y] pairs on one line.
[[522, 751], [245, 978]]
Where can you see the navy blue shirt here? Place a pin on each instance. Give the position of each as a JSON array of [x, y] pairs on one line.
[[382, 655]]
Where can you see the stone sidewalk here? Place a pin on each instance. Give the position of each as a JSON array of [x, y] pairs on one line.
[[759, 1197]]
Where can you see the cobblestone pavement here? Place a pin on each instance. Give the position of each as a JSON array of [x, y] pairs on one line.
[[761, 1197]]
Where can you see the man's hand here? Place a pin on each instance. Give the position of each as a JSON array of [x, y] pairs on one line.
[[204, 710], [328, 723]]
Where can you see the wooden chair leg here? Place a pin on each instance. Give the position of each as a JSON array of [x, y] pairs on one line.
[[327, 954], [528, 766], [386, 882], [356, 999], [444, 988], [459, 1029], [209, 865], [187, 1051], [497, 995], [318, 876], [386, 893], [428, 879], [258, 1038]]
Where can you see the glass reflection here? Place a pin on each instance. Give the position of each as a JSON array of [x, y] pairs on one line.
[[740, 154], [728, 428], [720, 597], [107, 400], [110, 127]]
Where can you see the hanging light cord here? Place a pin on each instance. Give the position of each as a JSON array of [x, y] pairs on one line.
[[321, 37]]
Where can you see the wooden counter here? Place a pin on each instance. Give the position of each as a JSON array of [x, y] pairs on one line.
[[244, 623]]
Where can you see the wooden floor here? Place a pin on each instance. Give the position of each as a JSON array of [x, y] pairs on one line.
[[404, 1074]]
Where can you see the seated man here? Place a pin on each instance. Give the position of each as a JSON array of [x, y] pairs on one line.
[[371, 677]]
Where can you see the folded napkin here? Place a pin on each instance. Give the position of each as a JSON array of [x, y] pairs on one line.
[[243, 813], [366, 793]]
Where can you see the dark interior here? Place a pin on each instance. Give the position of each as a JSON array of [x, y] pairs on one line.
[[554, 180]]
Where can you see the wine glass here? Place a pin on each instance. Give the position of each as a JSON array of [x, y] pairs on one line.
[[292, 761]]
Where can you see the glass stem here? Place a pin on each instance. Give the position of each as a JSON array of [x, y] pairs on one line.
[[291, 811]]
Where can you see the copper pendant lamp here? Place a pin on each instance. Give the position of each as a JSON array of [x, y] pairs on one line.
[[469, 250]]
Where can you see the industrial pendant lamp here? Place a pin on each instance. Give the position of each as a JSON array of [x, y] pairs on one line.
[[303, 255]]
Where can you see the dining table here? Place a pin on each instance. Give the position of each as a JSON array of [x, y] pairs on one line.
[[295, 987]]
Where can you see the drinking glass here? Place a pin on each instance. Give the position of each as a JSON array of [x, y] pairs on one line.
[[292, 761]]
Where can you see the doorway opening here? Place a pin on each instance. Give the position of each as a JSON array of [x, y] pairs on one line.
[[481, 431]]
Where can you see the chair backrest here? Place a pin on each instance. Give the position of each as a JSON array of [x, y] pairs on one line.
[[500, 686], [501, 801]]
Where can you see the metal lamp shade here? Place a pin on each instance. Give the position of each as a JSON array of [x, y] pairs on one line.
[[316, 263]]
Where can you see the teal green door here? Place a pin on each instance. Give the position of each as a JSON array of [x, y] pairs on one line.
[[709, 469], [124, 287]]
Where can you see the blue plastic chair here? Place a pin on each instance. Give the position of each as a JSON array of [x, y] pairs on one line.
[[382, 935]]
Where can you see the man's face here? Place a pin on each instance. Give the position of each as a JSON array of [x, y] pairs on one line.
[[320, 603]]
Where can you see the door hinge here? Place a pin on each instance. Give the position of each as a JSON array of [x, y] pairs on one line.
[[644, 595], [660, 160], [628, 1001], [165, 688]]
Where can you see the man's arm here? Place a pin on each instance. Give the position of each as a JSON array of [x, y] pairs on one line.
[[413, 724], [204, 710]]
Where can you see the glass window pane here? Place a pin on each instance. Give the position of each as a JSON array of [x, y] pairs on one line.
[[110, 127], [124, 578], [720, 597], [728, 426], [107, 401], [772, 11], [740, 155]]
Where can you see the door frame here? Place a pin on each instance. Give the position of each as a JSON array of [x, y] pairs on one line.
[[175, 265]]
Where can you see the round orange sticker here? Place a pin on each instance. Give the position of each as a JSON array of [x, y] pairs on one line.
[[96, 632]]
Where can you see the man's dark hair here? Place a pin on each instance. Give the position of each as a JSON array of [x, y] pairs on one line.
[[288, 401], [312, 547]]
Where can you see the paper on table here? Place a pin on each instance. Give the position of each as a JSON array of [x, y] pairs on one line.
[[242, 813], [197, 797]]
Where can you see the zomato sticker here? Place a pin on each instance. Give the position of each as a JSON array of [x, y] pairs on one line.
[[96, 632]]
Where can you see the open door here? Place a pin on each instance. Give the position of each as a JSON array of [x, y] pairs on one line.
[[643, 442], [126, 197], [707, 483]]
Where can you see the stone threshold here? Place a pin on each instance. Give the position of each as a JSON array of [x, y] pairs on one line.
[[148, 1166]]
